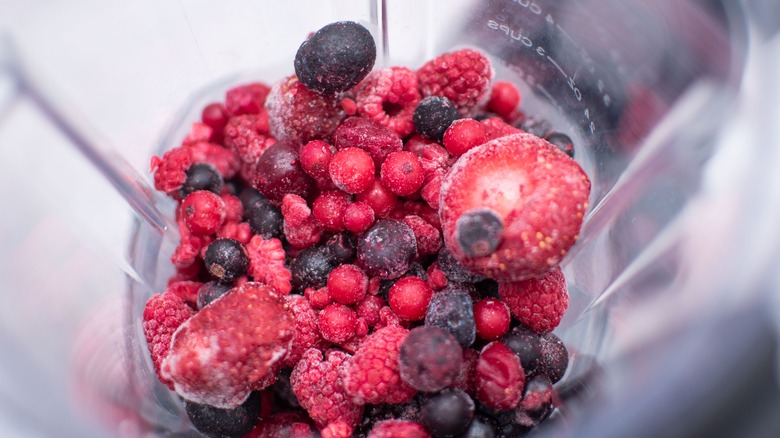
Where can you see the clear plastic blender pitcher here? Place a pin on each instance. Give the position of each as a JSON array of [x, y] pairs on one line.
[[91, 90]]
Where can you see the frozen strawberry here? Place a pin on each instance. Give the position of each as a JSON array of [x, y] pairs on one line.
[[231, 347], [538, 302], [512, 207], [496, 127], [317, 386], [266, 263], [163, 314], [296, 113], [462, 76]]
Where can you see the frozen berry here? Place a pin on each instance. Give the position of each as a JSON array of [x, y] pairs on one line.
[[307, 334], [462, 135], [203, 212], [537, 401], [401, 173], [555, 357], [358, 216], [454, 270], [279, 172], [368, 309], [527, 345], [409, 298], [329, 208], [499, 377], [215, 116], [379, 198], [492, 318], [375, 139], [453, 311], [433, 116], [341, 248], [504, 99], [479, 232], [448, 413], [561, 141], [315, 159], [170, 170], [387, 249], [162, 315], [227, 423], [266, 263], [246, 136], [310, 268], [347, 284], [535, 125], [352, 170], [462, 76], [336, 58], [430, 359], [226, 260], [427, 236], [210, 291], [202, 176], [298, 114], [539, 302], [398, 428], [539, 193], [337, 323], [246, 99], [389, 96], [480, 427], [264, 219]]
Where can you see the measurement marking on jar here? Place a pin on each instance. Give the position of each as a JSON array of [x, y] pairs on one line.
[[548, 96], [566, 34], [557, 66]]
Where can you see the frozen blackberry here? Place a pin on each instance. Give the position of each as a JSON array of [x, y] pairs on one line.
[[225, 423], [555, 358], [454, 270], [562, 142], [387, 249], [433, 116], [211, 291], [202, 176], [279, 172], [527, 345], [264, 218], [478, 232], [226, 260], [430, 358], [341, 248], [453, 311], [336, 58], [537, 402], [448, 413], [311, 268]]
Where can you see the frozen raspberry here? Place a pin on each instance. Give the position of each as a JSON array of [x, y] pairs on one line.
[[337, 323], [246, 99], [424, 211], [561, 141], [243, 137], [447, 413], [538, 302], [504, 99], [372, 376], [387, 249], [296, 113], [430, 359], [463, 135], [279, 172], [368, 135], [492, 318], [318, 298], [495, 127], [235, 422], [401, 173], [379, 198], [347, 284], [499, 377], [433, 116], [358, 217], [202, 176], [186, 290], [295, 210], [231, 347], [336, 57], [427, 236], [266, 264], [398, 428], [368, 309], [317, 386], [349, 106], [409, 298], [554, 357], [203, 212], [389, 96], [224, 160], [162, 315], [199, 133], [541, 215], [337, 429], [226, 260], [462, 76], [170, 170], [352, 170], [315, 159]]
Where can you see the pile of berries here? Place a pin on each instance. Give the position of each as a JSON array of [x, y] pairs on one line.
[[367, 252]]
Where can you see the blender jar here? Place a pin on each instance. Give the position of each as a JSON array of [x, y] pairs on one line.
[[644, 89]]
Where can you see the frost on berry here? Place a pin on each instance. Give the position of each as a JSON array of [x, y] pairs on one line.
[[296, 113], [540, 302], [266, 263], [389, 96], [368, 135]]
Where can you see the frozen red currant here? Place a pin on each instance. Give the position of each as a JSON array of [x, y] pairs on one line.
[[492, 318], [379, 197], [347, 284], [352, 170], [409, 298], [358, 217], [401, 173], [329, 208], [337, 323], [462, 135], [315, 158], [504, 98]]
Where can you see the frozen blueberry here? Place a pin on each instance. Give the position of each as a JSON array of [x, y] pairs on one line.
[[479, 232], [342, 248], [454, 270], [555, 357], [202, 176], [535, 125], [453, 311], [430, 358], [210, 291], [387, 249], [336, 58], [225, 423], [561, 141], [481, 427], [433, 116], [311, 267], [527, 345], [226, 260], [448, 413], [264, 218]]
